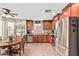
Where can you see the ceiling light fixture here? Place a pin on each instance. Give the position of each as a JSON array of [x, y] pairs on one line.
[[48, 10]]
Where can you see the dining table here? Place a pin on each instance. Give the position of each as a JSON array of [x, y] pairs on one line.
[[8, 44]]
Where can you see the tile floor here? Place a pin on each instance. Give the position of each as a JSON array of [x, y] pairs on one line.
[[39, 49]]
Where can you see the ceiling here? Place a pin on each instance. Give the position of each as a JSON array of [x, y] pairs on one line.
[[35, 11]]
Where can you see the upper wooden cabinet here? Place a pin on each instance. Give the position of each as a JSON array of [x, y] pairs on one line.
[[47, 25], [29, 24]]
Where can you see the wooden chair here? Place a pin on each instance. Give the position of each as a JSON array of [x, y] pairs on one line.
[[19, 47], [4, 51], [23, 41], [16, 49]]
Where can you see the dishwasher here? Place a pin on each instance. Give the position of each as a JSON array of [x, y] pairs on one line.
[[29, 38]]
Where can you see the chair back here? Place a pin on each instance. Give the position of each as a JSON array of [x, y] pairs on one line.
[[23, 41]]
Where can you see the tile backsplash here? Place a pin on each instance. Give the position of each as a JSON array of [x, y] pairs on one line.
[[46, 32]]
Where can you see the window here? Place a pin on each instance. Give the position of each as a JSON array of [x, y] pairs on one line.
[[21, 27], [10, 28], [37, 22], [0, 28]]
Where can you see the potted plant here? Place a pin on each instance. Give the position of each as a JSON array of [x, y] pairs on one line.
[[10, 38]]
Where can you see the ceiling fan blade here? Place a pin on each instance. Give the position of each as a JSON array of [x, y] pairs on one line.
[[13, 13], [6, 10]]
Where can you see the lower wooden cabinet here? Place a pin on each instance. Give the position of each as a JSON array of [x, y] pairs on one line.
[[39, 38], [34, 38], [49, 38], [42, 38]]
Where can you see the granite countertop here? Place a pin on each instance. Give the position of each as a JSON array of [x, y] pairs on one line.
[[39, 34], [29, 34]]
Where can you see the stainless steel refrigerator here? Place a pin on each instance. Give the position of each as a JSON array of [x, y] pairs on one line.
[[67, 36]]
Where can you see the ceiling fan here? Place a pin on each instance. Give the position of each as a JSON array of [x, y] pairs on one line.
[[8, 12]]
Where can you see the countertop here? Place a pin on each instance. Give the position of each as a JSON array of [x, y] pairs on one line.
[[38, 34]]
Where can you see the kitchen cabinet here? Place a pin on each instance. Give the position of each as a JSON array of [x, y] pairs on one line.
[[42, 38], [34, 38], [29, 24], [39, 38], [49, 38], [47, 25]]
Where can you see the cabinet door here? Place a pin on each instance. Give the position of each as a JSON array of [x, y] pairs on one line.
[[44, 38], [39, 38], [29, 24], [49, 38], [47, 25], [44, 25], [34, 38]]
